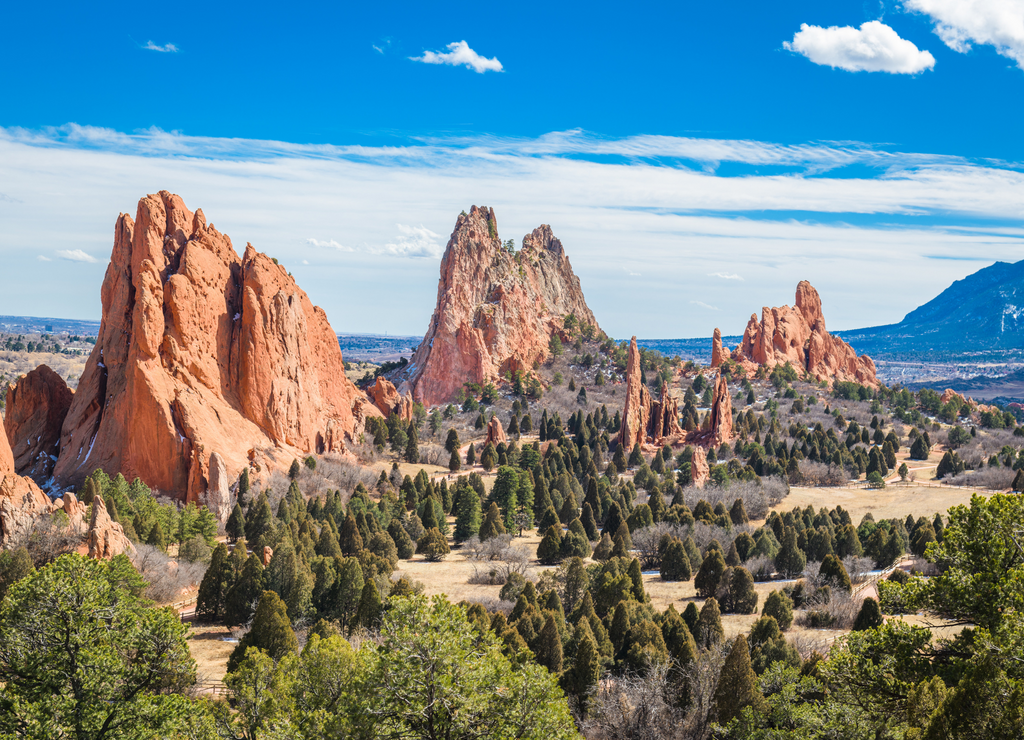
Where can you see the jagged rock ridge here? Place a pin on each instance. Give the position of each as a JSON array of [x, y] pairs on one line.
[[199, 352], [496, 310], [797, 335], [36, 407]]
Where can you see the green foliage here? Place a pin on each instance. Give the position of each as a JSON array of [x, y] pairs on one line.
[[869, 616], [271, 632], [737, 686], [780, 607], [433, 545], [82, 657], [14, 565]]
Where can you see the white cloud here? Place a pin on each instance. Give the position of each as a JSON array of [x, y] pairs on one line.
[[171, 48], [305, 262], [329, 244], [998, 23], [377, 49], [459, 54], [44, 258], [75, 255], [725, 275], [874, 47], [702, 304], [413, 241]]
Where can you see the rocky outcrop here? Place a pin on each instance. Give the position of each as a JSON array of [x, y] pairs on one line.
[[21, 500], [217, 497], [389, 401], [496, 310], [106, 537], [35, 410], [201, 351], [717, 426], [700, 471], [797, 335], [718, 354], [645, 420], [495, 432]]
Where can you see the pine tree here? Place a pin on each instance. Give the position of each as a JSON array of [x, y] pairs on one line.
[[619, 627], [370, 607], [403, 543], [709, 576], [350, 540], [428, 514], [156, 535], [327, 545], [412, 448], [471, 455], [636, 576], [433, 545], [243, 483], [737, 686], [604, 548], [467, 514], [589, 523], [636, 457], [869, 616], [1018, 481], [294, 470], [549, 550], [549, 646], [452, 443], [271, 632], [260, 527], [779, 606], [834, 574], [492, 524], [742, 595], [240, 601], [709, 626], [210, 599], [580, 681], [790, 560], [454, 462]]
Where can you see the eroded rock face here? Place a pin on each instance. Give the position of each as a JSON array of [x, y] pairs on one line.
[[495, 432], [106, 537], [699, 468], [21, 500], [201, 351], [217, 497], [645, 420], [717, 426], [389, 401], [496, 311], [797, 334], [718, 354], [36, 407]]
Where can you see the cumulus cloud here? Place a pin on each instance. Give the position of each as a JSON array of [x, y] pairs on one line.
[[329, 244], [874, 47], [459, 54], [725, 275], [413, 241], [75, 255], [166, 48], [998, 23], [702, 304], [44, 258]]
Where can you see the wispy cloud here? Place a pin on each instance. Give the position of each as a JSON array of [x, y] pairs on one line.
[[460, 55], [874, 47], [702, 304], [44, 258], [997, 23], [75, 255], [166, 48], [329, 244], [725, 275], [412, 241]]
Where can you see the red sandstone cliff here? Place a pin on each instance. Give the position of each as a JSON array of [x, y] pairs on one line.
[[496, 311], [717, 426], [797, 334], [200, 352], [36, 407], [645, 420], [21, 500]]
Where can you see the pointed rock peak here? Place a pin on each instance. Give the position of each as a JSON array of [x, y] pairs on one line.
[[495, 432], [35, 411], [106, 537], [809, 303], [718, 355]]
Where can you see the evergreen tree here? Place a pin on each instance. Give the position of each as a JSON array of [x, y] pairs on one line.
[[709, 576], [504, 494], [452, 444], [675, 565], [271, 632], [210, 600], [790, 560], [492, 524], [260, 527], [467, 514], [549, 646], [779, 606], [691, 617], [636, 457], [580, 681], [370, 607], [433, 545], [240, 601], [471, 455], [737, 686], [294, 470], [350, 540], [403, 543], [454, 462], [869, 616], [549, 550], [156, 535], [604, 548], [235, 527], [412, 448], [709, 626], [589, 523], [327, 545], [742, 596], [834, 574], [1018, 481]]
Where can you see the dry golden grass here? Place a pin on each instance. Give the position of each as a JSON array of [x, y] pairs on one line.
[[896, 500], [210, 651]]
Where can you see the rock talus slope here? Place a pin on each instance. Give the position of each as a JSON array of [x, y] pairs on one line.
[[21, 500], [797, 334], [496, 310], [200, 351], [36, 407]]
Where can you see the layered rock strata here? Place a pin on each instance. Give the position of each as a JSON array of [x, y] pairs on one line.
[[200, 351], [496, 310], [797, 335], [389, 401], [35, 410]]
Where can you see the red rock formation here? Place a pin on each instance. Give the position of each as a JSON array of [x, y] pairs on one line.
[[21, 500], [36, 407], [495, 432], [718, 355], [496, 311], [645, 420], [268, 555], [797, 334], [201, 352], [717, 426], [388, 400], [699, 468], [106, 537]]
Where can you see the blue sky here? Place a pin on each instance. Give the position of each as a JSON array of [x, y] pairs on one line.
[[697, 160]]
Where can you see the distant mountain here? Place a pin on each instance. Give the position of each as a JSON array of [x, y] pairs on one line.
[[982, 312]]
